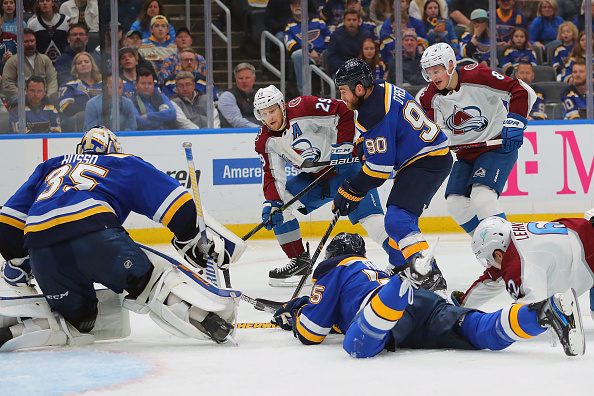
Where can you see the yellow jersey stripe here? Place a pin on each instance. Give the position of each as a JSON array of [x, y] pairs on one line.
[[379, 175], [383, 311], [174, 207], [393, 244], [308, 335], [66, 219], [11, 221], [513, 321]]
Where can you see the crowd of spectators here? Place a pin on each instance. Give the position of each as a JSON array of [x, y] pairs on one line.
[[162, 78]]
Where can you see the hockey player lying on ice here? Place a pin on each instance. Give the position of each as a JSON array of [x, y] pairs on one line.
[[64, 226], [374, 312]]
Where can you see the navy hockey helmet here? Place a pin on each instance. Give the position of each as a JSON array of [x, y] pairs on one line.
[[352, 73], [99, 140], [345, 243]]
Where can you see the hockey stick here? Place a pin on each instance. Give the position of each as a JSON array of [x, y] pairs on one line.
[[488, 143], [211, 270], [342, 161], [292, 201]]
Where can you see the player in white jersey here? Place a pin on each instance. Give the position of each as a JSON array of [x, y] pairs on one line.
[[531, 260], [471, 105]]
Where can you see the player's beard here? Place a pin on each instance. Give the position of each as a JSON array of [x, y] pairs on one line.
[[356, 103]]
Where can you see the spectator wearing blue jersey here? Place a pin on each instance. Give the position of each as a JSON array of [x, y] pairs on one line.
[[577, 53], [519, 51], [525, 72], [475, 41], [318, 37], [8, 47], [507, 19], [153, 109], [40, 115], [376, 313], [7, 11], [159, 45], [149, 10], [100, 112], [543, 29], [568, 36], [346, 41], [439, 29], [573, 98]]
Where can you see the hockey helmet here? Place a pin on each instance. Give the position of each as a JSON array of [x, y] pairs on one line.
[[493, 233], [266, 97], [438, 54], [352, 73], [99, 140], [345, 243]]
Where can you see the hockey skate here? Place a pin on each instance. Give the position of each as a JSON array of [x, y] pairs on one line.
[[561, 312], [290, 274], [216, 328]]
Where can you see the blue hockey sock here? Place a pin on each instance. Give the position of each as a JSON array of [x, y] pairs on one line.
[[592, 299], [470, 225]]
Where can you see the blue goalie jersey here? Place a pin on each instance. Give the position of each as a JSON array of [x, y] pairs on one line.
[[75, 194], [396, 131]]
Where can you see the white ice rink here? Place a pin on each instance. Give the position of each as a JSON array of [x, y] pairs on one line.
[[272, 362]]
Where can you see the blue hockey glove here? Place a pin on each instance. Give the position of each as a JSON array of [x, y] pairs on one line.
[[271, 214], [513, 132], [456, 297], [17, 272], [283, 317], [347, 199], [341, 152]]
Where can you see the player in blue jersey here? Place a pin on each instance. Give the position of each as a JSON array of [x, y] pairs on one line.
[[397, 138], [351, 296], [64, 226]]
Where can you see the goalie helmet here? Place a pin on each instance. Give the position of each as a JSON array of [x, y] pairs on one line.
[[352, 73], [266, 97], [99, 140], [438, 54], [493, 233], [345, 243]]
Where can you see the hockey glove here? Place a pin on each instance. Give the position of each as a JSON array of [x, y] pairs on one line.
[[513, 132], [347, 199], [190, 251], [271, 214], [283, 317], [340, 153], [456, 297], [17, 272]]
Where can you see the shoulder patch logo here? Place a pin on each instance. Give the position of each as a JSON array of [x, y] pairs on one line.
[[470, 67], [467, 119], [294, 102]]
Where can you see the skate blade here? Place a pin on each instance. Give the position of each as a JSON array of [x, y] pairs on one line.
[[230, 339], [576, 338], [293, 281]]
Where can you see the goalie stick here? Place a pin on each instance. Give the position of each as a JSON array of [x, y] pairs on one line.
[[212, 274], [488, 143]]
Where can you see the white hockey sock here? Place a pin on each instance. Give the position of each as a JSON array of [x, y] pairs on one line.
[[374, 225]]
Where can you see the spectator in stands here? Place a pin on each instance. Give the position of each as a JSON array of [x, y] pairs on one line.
[[573, 98], [577, 53], [128, 11], [332, 13], [103, 53], [75, 94], [128, 59], [82, 11], [50, 27], [568, 36], [133, 39], [8, 46], [416, 8], [77, 43], [172, 64], [439, 29], [370, 55], [461, 10], [475, 41], [519, 51], [7, 10], [144, 23], [188, 60], [367, 24], [569, 9], [152, 109], [278, 13], [507, 19], [35, 64], [191, 105], [580, 20], [346, 41], [408, 23], [380, 11], [525, 72], [318, 38], [99, 111], [40, 115], [159, 45], [237, 104], [411, 61], [543, 29]]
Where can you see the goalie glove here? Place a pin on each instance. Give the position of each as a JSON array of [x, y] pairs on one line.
[[17, 272], [191, 250]]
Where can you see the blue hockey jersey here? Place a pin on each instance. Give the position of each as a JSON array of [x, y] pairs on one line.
[[74, 194]]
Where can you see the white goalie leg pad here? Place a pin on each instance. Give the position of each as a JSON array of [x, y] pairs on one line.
[[374, 225], [484, 201], [459, 208], [225, 240]]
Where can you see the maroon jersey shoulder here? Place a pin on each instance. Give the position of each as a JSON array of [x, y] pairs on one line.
[[511, 271]]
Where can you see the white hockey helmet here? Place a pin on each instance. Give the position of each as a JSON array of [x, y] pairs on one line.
[[438, 54], [99, 140], [266, 97], [493, 233]]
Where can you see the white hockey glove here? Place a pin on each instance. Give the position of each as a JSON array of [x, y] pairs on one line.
[[191, 252], [17, 272]]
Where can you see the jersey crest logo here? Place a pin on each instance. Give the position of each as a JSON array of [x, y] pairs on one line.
[[305, 149], [467, 119], [294, 102]]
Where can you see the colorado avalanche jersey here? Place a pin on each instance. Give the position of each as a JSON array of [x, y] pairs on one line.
[[543, 258], [475, 110], [341, 287], [313, 125], [75, 194]]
